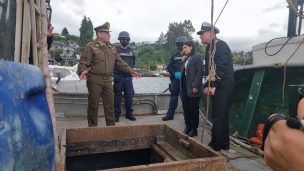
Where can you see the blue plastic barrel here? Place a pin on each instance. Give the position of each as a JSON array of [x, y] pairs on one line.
[[26, 131]]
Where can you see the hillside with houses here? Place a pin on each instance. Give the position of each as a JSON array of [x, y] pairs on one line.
[[151, 57], [64, 52]]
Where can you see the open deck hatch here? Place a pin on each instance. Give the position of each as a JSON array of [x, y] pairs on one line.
[[139, 147]]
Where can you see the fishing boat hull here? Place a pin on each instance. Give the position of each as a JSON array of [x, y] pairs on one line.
[[273, 83], [75, 104]]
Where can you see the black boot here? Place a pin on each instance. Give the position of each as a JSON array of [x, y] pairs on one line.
[[187, 129], [192, 132], [213, 147], [131, 117], [116, 118], [167, 118]]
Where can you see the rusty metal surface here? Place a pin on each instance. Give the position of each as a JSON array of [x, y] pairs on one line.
[[62, 153], [193, 148], [109, 146], [207, 164], [163, 154], [94, 134], [172, 152]]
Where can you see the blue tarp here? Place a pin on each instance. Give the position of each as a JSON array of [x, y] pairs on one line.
[[26, 131]]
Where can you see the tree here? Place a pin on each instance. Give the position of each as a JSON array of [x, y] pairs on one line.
[[86, 31], [200, 49], [162, 39], [150, 54], [188, 27], [178, 29], [153, 67], [242, 58], [64, 31], [175, 29]]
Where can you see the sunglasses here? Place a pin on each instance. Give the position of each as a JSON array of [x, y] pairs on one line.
[[125, 39]]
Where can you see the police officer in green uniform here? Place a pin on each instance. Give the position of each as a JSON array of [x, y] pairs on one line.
[[96, 66]]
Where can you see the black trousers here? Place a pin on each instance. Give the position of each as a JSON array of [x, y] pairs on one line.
[[174, 89], [220, 115], [191, 109], [123, 84]]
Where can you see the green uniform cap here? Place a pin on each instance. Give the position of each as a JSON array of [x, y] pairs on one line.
[[105, 27]]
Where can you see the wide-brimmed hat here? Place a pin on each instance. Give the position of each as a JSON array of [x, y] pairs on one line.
[[207, 27]]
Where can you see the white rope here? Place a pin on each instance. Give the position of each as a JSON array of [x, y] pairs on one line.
[[212, 66]]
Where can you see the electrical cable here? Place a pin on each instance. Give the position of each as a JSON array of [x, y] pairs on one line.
[[279, 49]]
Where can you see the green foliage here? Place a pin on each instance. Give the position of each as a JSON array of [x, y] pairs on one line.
[[86, 31], [189, 29], [160, 53], [56, 54], [148, 55], [242, 58], [66, 38], [162, 39], [59, 38], [64, 31], [200, 49], [153, 67], [178, 29], [72, 38]]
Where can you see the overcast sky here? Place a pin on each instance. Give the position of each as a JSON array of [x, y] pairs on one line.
[[243, 23]]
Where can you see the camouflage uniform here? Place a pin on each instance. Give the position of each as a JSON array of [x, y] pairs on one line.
[[100, 59]]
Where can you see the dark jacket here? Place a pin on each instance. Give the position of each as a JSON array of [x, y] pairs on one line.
[[49, 41], [193, 75], [223, 62], [126, 55], [174, 64]]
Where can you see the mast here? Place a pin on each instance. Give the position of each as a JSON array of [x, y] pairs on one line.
[[294, 14]]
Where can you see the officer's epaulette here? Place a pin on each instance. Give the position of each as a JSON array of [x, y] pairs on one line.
[[90, 43], [97, 45], [110, 44]]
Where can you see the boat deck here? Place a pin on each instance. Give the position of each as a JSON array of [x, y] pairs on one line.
[[242, 160]]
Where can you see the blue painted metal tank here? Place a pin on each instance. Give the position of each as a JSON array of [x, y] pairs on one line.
[[26, 131]]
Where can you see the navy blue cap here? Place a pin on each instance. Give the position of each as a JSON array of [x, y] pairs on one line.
[[207, 27]]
